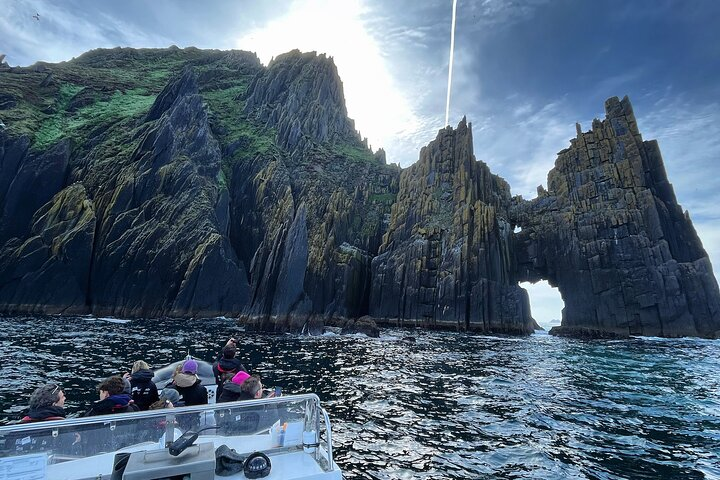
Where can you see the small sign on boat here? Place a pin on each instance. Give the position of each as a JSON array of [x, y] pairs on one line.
[[24, 467]]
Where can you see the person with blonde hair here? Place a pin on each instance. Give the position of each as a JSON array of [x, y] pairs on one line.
[[143, 390]]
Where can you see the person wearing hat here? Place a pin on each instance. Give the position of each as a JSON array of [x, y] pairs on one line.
[[171, 395], [232, 389], [227, 366], [169, 398], [191, 391], [247, 419], [188, 385]]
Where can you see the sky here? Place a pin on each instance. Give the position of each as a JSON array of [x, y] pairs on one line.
[[524, 73]]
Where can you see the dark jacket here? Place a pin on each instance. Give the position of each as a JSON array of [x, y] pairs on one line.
[[41, 414], [232, 392], [120, 403], [144, 391], [66, 442], [96, 441], [224, 369], [244, 420], [194, 394]]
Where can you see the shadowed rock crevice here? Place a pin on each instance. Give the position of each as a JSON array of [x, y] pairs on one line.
[[47, 273], [32, 179]]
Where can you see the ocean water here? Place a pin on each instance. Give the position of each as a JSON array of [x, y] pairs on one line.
[[428, 405]]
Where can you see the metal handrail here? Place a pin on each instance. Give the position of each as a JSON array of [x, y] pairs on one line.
[[311, 399], [328, 432], [118, 417]]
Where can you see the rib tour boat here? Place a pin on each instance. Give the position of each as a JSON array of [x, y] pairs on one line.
[[287, 437]]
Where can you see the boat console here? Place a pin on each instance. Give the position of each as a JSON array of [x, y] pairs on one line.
[[287, 437]]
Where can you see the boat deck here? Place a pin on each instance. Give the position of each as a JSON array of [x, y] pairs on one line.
[[296, 444], [289, 465]]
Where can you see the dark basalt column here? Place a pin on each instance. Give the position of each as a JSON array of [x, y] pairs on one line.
[[610, 235], [446, 259]]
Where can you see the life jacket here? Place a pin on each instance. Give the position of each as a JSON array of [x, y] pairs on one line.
[[27, 419], [225, 375], [41, 414]]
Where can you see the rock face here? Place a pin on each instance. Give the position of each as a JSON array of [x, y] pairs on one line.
[[217, 187], [610, 235], [300, 95], [149, 241], [27, 181], [446, 259], [150, 183], [309, 216], [160, 246], [48, 272]]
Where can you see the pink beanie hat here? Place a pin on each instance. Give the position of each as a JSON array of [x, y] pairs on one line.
[[240, 377]]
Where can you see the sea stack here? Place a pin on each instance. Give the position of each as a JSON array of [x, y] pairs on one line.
[[610, 235], [446, 259]]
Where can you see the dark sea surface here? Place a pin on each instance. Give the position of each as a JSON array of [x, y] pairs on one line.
[[428, 405]]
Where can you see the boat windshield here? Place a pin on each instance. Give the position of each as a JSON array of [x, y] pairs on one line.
[[90, 446]]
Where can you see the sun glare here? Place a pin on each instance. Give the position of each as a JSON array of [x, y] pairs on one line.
[[337, 29]]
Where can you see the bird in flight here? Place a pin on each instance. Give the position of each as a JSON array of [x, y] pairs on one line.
[[36, 16]]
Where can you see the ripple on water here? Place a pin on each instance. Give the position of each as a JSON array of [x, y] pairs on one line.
[[442, 406]]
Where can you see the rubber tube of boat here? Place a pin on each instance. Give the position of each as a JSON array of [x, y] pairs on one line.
[[185, 440]]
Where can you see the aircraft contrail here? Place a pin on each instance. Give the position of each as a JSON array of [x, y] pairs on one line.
[[452, 54]]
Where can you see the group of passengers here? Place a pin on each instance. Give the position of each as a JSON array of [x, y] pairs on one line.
[[136, 391]]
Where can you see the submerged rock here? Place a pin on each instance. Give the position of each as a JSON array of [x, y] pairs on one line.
[[587, 333], [364, 325]]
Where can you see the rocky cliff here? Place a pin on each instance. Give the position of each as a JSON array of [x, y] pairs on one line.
[[147, 183], [195, 183], [609, 233], [446, 258]]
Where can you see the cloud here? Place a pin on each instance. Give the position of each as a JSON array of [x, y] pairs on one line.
[[499, 13], [62, 33], [520, 139], [688, 134], [380, 110], [619, 82]]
